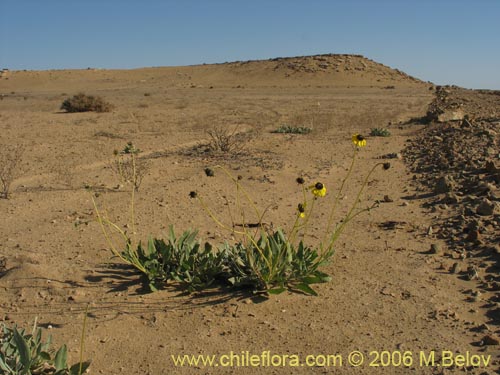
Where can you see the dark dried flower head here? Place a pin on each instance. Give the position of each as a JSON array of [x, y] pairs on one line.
[[240, 177], [193, 194], [387, 165], [209, 172], [300, 180]]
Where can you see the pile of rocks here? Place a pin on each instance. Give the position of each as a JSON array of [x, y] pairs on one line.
[[457, 163]]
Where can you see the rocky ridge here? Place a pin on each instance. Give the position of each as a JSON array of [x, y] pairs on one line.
[[456, 165]]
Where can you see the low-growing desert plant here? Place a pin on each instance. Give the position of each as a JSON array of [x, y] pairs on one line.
[[380, 132], [23, 353], [10, 158], [287, 129], [273, 261], [181, 259], [273, 264], [86, 103], [267, 260]]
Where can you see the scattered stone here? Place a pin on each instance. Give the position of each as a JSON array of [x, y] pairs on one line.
[[451, 115], [473, 236], [490, 340], [444, 185], [436, 249], [472, 273], [486, 208], [388, 199], [455, 268]]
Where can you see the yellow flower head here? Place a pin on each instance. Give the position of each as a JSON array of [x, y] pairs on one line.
[[301, 208], [359, 140], [318, 189]]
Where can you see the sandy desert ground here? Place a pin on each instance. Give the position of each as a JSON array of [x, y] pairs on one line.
[[389, 290]]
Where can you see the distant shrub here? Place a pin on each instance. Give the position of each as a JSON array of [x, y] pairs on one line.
[[286, 129], [380, 132], [86, 103]]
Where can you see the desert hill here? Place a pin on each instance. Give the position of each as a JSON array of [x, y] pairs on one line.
[[329, 70]]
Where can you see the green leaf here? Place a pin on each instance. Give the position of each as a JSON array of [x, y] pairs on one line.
[[75, 369], [24, 351], [306, 289], [3, 364], [45, 356], [60, 360]]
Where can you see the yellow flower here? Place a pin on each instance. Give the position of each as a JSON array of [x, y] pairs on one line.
[[302, 210], [359, 140], [318, 189]]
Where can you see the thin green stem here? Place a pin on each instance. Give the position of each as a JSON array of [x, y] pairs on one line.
[[339, 193]]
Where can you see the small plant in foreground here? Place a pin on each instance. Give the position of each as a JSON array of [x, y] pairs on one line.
[[10, 157], [269, 261], [380, 132], [181, 259], [287, 129], [86, 103], [24, 353], [129, 167]]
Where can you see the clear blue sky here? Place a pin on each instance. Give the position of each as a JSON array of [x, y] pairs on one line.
[[443, 41]]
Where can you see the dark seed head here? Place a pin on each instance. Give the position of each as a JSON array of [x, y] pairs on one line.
[[209, 172], [300, 180], [318, 186], [193, 194], [387, 165], [240, 177], [360, 137], [301, 208]]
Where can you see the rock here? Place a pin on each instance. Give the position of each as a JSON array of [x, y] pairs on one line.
[[472, 273], [486, 208], [473, 236], [451, 198], [388, 199], [436, 249], [455, 268], [444, 184], [490, 340], [451, 115]]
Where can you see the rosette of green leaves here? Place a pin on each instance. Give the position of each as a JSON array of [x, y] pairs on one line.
[[273, 264], [182, 259], [25, 354]]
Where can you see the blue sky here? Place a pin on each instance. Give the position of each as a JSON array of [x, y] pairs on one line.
[[443, 41]]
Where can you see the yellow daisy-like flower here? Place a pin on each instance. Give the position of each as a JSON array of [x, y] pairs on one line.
[[359, 140], [302, 210], [318, 189]]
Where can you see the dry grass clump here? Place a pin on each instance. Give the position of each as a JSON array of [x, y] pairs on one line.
[[225, 140], [86, 103]]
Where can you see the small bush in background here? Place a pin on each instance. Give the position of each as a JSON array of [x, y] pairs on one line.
[[86, 103], [287, 129], [224, 140], [380, 132]]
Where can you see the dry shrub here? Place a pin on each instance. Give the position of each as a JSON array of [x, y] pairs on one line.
[[10, 157], [129, 167], [86, 103], [225, 140]]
